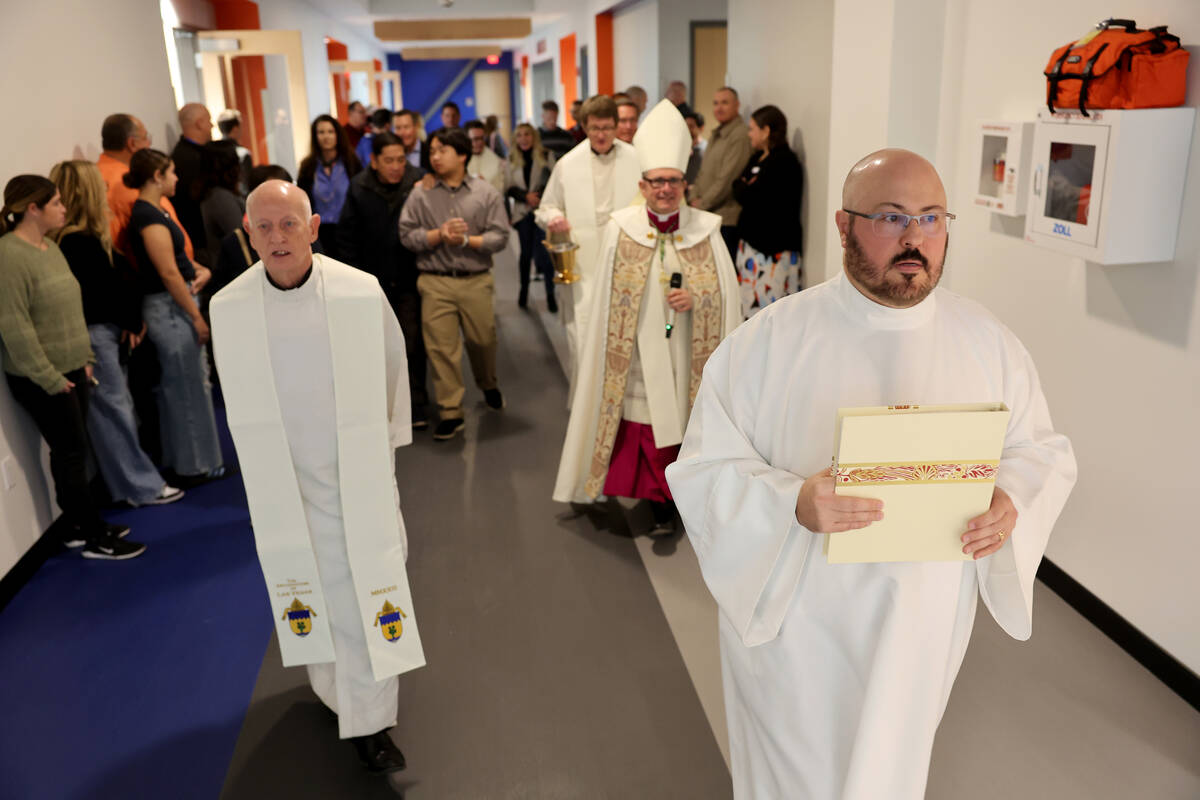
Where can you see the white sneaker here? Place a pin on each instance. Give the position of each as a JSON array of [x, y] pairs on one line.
[[167, 494]]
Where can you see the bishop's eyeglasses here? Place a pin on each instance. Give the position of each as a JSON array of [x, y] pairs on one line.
[[658, 183], [893, 224]]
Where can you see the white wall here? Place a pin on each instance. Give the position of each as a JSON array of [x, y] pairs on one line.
[[51, 75], [1118, 348], [675, 19], [635, 47], [799, 33]]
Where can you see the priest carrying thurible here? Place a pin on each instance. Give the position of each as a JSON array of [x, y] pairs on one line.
[[665, 296], [836, 675], [315, 381], [597, 177]]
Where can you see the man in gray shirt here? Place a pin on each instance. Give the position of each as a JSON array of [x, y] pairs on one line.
[[726, 156], [454, 227]]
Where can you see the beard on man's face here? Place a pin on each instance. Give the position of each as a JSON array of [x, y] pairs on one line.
[[888, 284]]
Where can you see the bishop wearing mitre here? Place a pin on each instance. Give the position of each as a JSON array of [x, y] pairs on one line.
[[836, 675], [597, 177], [315, 379], [665, 295]]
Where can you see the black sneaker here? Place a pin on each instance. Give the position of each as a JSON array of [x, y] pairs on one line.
[[119, 531], [77, 539], [447, 428], [419, 423], [493, 398], [111, 548]]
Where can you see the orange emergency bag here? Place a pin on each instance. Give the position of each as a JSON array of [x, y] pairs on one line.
[[1118, 65]]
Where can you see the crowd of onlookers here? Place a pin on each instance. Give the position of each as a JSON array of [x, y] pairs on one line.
[[106, 267]]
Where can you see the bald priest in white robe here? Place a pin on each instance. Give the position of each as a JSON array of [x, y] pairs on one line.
[[836, 675], [597, 177], [315, 380], [647, 338]]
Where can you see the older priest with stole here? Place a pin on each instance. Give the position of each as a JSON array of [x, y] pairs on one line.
[[836, 674], [316, 389], [665, 296]]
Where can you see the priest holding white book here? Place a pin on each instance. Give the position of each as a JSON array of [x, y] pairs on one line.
[[836, 675], [315, 379]]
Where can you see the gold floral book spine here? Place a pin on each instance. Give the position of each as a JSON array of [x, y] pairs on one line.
[[934, 467]]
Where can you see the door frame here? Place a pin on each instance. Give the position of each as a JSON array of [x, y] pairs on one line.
[[216, 72]]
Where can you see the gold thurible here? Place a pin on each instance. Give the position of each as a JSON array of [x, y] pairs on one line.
[[562, 253]]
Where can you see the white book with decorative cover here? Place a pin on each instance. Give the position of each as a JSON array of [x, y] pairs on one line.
[[934, 468]]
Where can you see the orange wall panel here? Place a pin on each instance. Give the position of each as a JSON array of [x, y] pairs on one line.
[[604, 53], [569, 72], [337, 51]]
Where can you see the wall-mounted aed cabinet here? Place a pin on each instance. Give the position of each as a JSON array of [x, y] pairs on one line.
[[1108, 188], [1003, 152]]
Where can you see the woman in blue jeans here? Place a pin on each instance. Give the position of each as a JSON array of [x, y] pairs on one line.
[[112, 307], [170, 282]]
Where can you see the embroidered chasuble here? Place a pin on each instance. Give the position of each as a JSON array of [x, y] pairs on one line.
[[628, 368], [315, 385]]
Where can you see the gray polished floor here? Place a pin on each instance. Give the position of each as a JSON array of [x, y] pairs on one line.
[[569, 658], [552, 672]]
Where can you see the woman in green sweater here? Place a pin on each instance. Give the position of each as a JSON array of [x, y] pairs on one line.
[[48, 358]]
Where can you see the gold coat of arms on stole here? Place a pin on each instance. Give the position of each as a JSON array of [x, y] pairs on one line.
[[299, 617], [389, 622]]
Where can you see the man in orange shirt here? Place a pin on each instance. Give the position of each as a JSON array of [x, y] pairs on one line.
[[121, 136]]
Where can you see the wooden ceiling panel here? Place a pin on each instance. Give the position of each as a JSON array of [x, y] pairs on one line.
[[465, 51], [425, 30]]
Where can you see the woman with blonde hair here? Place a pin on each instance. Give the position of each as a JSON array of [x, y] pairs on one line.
[[48, 358], [112, 309], [526, 175]]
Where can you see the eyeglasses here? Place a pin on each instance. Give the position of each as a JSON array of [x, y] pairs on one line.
[[658, 183], [893, 224], [601, 128]]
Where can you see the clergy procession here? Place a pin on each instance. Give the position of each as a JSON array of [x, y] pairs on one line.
[[704, 395]]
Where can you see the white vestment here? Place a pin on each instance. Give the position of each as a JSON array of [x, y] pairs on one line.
[[657, 392], [586, 188], [488, 166], [836, 676], [303, 371]]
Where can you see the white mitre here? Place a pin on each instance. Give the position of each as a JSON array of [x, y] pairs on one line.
[[662, 140]]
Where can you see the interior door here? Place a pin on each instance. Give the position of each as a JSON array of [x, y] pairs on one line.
[[1068, 180], [543, 89], [492, 97], [708, 66], [261, 73]]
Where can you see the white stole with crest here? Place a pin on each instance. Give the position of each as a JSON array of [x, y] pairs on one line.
[[365, 442]]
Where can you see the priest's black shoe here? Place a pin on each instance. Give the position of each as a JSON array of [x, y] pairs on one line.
[[379, 753]]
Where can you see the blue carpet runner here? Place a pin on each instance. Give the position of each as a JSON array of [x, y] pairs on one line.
[[131, 679]]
